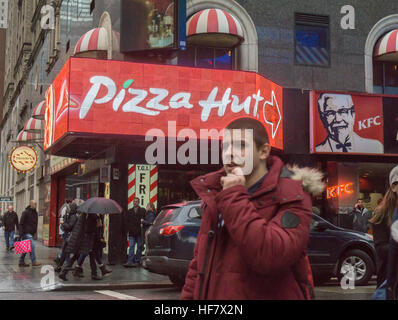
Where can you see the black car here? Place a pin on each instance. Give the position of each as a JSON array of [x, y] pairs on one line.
[[170, 243]]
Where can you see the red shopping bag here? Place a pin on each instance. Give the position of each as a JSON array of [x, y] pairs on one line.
[[22, 247]]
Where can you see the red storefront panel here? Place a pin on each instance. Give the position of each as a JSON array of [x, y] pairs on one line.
[[126, 98]]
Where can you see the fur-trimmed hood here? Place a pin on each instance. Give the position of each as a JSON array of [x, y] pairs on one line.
[[310, 177]]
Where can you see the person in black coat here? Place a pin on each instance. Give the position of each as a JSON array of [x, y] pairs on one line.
[[81, 242], [67, 226], [133, 228], [96, 253], [27, 230], [10, 223], [149, 217]]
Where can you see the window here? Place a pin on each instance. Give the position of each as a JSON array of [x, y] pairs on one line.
[[385, 77], [195, 213], [312, 40], [207, 57]]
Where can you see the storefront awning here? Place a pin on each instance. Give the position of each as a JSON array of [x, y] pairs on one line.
[[93, 40], [33, 126], [38, 111], [386, 48], [24, 136], [214, 27]]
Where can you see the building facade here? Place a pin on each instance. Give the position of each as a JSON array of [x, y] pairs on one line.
[[308, 48]]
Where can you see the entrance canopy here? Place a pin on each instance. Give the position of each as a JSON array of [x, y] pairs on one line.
[[93, 104], [386, 48]]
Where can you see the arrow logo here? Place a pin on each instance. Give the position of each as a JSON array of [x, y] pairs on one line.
[[272, 114]]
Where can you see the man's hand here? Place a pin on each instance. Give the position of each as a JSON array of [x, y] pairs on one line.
[[4, 228], [233, 179]]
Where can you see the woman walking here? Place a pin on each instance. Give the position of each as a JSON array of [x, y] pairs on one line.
[[381, 225]]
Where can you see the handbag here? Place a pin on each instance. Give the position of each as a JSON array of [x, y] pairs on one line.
[[22, 246]]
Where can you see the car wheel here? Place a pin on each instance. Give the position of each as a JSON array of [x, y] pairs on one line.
[[177, 281], [356, 264]]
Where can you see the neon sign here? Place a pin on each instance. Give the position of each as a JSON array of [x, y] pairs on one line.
[[338, 191]]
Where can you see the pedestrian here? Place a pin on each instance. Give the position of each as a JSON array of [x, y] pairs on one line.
[[10, 223], [67, 226], [98, 246], [149, 216], [133, 225], [255, 226], [391, 219], [27, 230], [81, 242], [361, 217], [381, 224], [65, 210]]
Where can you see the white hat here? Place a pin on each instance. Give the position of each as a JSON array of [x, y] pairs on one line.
[[394, 175]]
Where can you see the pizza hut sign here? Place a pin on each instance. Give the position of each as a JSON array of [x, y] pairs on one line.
[[114, 97]]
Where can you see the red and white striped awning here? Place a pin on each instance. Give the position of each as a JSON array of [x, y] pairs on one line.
[[38, 111], [386, 48], [24, 136], [93, 40], [210, 26], [33, 126]]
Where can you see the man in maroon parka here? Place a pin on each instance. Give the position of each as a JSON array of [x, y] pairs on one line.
[[255, 226]]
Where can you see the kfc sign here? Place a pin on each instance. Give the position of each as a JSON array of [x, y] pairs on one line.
[[114, 97], [338, 191], [346, 123]]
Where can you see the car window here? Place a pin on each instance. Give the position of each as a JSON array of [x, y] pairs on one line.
[[195, 213], [167, 215]]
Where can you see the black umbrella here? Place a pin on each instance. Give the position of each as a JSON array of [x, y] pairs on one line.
[[98, 205]]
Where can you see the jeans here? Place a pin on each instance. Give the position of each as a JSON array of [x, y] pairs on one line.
[[97, 254], [137, 256], [28, 236], [9, 235]]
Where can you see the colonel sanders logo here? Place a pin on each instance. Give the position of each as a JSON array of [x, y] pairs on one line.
[[337, 113]]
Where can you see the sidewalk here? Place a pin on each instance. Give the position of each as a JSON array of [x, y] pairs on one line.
[[28, 279]]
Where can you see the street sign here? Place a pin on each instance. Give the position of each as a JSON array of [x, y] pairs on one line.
[[6, 199]]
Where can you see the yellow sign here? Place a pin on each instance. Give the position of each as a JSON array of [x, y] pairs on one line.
[[23, 158], [107, 194]]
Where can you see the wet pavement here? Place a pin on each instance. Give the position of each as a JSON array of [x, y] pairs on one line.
[[26, 282], [32, 279]]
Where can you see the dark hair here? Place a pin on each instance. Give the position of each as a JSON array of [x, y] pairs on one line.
[[260, 134], [152, 206]]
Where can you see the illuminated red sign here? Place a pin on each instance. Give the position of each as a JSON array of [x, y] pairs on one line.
[[126, 98], [345, 122], [340, 190]]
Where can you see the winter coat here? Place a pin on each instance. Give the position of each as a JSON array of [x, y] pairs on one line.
[[381, 237], [254, 246], [70, 219], [361, 219], [99, 235], [28, 222], [88, 238], [133, 221], [392, 260], [149, 219], [76, 236], [10, 221]]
